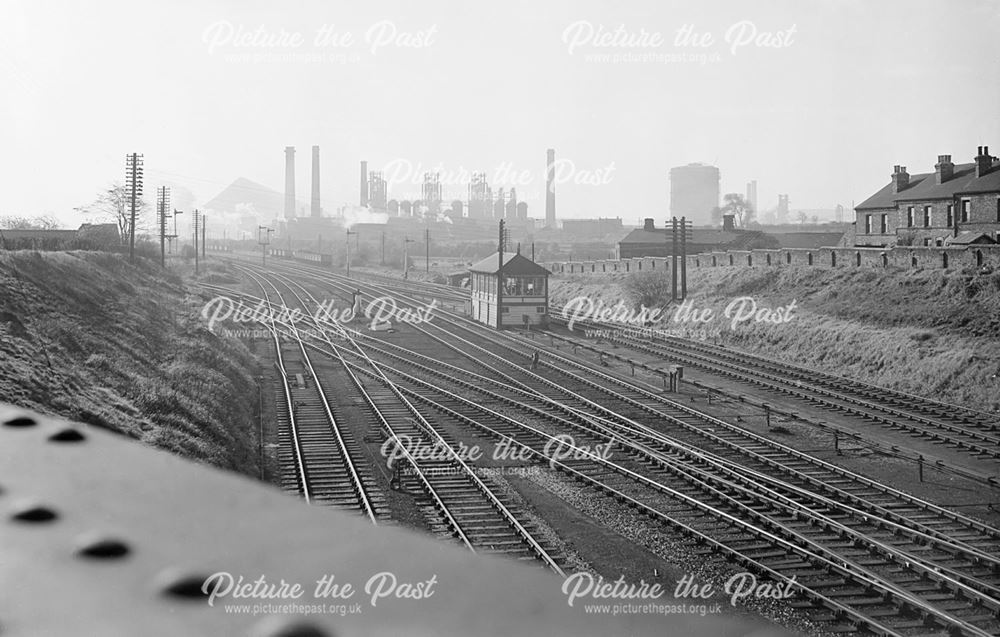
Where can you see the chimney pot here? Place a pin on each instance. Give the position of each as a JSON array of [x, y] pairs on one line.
[[900, 179], [648, 225], [983, 161], [944, 169]]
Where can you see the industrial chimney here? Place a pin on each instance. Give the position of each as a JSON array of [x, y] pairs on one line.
[[550, 188], [289, 182], [314, 206], [364, 183]]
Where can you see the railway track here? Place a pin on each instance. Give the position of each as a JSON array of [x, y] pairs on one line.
[[759, 546], [317, 455], [458, 502], [895, 577], [919, 418]]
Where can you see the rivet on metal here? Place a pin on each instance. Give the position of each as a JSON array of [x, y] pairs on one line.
[[183, 584], [34, 513], [102, 548], [69, 434], [277, 626], [21, 421]]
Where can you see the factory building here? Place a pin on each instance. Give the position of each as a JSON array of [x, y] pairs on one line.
[[315, 209], [550, 188], [523, 299], [694, 192], [480, 197], [751, 198], [289, 182], [431, 192], [377, 191]]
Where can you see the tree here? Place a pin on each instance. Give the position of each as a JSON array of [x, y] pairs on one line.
[[801, 216], [45, 222], [734, 204], [650, 288], [716, 216], [115, 204]]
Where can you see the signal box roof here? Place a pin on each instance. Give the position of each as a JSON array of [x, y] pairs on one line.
[[513, 264]]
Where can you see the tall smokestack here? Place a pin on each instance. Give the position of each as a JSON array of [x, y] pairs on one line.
[[289, 182], [550, 188], [364, 183], [314, 208]]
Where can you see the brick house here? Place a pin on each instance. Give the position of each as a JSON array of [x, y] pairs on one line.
[[932, 209], [650, 241]]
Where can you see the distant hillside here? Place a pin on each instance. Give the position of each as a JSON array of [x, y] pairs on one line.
[[86, 336], [244, 196]]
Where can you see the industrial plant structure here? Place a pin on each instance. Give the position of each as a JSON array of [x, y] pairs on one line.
[[694, 192]]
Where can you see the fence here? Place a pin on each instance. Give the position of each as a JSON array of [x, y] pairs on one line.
[[906, 257]]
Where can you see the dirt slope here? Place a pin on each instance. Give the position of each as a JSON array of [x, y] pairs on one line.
[[86, 336]]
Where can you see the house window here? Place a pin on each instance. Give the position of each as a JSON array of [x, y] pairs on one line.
[[966, 207], [909, 217], [885, 224], [540, 309], [927, 243], [951, 215], [868, 224], [939, 242], [927, 216]]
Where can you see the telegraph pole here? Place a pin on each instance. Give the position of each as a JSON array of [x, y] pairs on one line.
[[174, 235], [162, 203], [427, 250], [264, 242], [406, 256], [684, 274], [197, 219], [204, 219], [133, 181], [673, 262], [500, 248], [382, 262]]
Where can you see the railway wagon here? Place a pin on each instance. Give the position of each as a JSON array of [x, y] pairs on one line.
[[314, 257]]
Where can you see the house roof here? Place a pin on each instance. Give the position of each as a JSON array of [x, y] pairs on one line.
[[968, 237], [33, 233], [924, 186], [699, 236], [809, 239], [513, 263]]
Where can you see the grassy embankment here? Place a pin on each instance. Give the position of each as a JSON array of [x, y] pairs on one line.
[[934, 333], [86, 336]]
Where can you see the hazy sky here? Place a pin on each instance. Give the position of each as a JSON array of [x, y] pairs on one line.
[[836, 93]]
